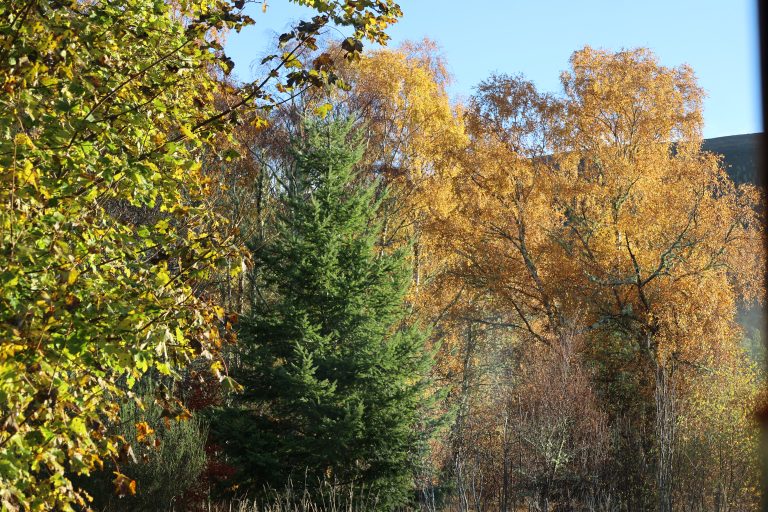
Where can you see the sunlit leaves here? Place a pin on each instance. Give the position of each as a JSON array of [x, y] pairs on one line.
[[594, 216], [323, 110], [599, 206], [107, 240]]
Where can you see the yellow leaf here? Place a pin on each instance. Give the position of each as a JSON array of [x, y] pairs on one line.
[[143, 431], [259, 123], [28, 174], [72, 276], [323, 110], [187, 132]]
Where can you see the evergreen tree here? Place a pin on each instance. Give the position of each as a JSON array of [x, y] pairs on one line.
[[333, 377]]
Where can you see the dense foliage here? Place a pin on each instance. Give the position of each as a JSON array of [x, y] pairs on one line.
[[107, 108], [333, 379], [586, 274], [614, 250]]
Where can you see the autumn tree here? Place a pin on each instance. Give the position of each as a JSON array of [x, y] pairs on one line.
[[107, 107], [653, 222], [597, 213]]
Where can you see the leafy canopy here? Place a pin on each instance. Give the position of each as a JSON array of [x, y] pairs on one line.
[[105, 239]]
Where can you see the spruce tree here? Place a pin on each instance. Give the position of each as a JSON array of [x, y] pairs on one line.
[[333, 376]]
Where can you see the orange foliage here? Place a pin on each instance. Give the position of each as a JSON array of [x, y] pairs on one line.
[[600, 206]]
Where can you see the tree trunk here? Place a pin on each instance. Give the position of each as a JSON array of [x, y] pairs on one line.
[[459, 454], [665, 435], [506, 449]]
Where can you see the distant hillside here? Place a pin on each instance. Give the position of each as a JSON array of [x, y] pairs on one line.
[[741, 155]]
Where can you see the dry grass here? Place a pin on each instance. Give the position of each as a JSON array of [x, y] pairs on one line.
[[326, 498]]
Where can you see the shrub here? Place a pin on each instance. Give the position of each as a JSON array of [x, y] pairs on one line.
[[165, 459]]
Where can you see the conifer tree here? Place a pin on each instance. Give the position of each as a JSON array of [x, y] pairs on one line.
[[332, 375]]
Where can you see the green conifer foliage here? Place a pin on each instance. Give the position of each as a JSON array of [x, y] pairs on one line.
[[332, 375]]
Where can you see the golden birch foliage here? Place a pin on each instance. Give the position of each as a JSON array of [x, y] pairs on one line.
[[665, 239], [600, 206], [503, 214], [596, 212], [402, 97], [627, 100]]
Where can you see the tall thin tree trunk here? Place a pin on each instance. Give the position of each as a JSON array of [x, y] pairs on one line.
[[504, 505], [458, 429], [416, 263], [241, 287], [665, 435]]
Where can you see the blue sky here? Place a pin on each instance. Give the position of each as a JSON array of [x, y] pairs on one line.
[[535, 38]]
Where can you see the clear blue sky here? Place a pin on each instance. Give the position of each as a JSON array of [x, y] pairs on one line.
[[535, 37]]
